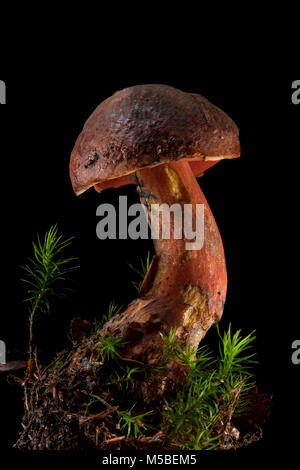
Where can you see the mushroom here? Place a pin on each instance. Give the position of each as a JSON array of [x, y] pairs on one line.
[[160, 138]]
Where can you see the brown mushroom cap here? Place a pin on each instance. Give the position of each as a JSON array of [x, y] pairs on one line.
[[148, 125]]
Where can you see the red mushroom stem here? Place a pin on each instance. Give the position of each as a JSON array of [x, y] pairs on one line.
[[183, 289]]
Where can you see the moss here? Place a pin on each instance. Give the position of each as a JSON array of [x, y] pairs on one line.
[[103, 406]]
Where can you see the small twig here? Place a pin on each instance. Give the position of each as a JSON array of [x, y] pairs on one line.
[[71, 415], [157, 437], [101, 415], [26, 398], [101, 400], [114, 439]]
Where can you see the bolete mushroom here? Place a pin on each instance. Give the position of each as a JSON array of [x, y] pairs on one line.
[[160, 138]]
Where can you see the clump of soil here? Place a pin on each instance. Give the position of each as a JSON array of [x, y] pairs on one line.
[[76, 403]]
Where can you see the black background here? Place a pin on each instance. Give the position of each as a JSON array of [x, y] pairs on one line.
[[252, 198]]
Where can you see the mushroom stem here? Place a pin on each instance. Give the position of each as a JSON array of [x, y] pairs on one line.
[[183, 289]]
